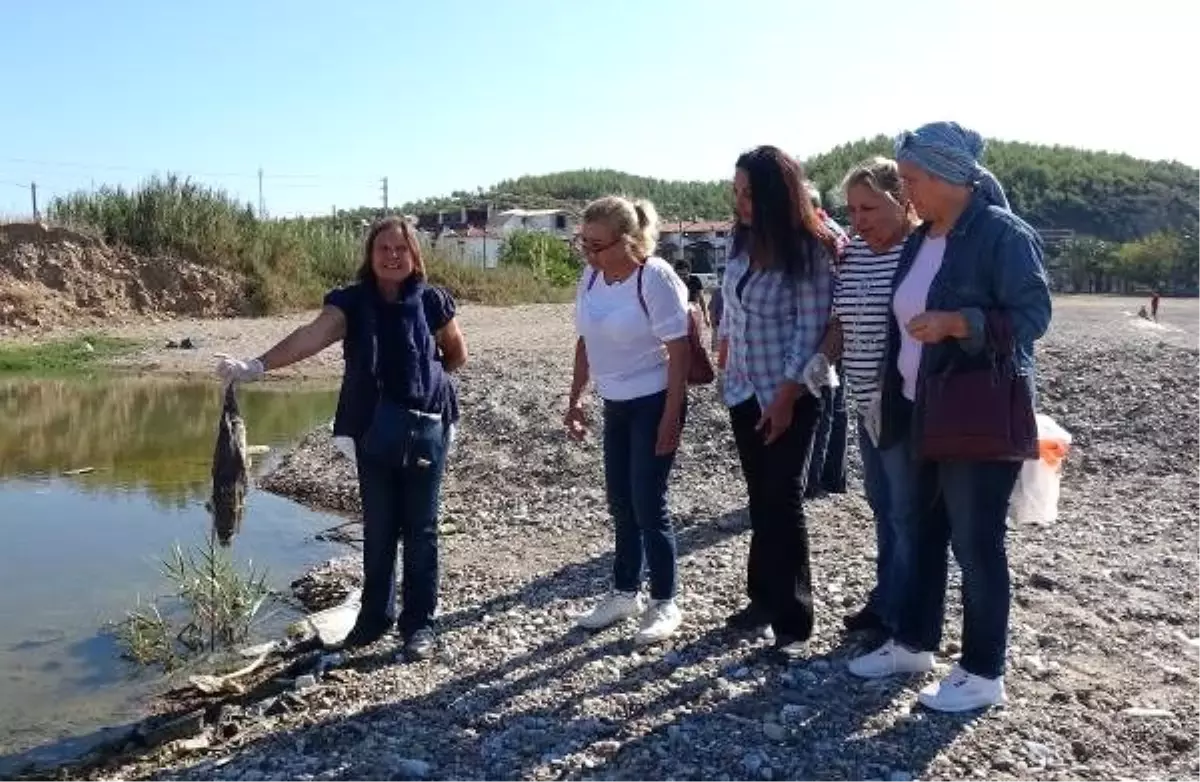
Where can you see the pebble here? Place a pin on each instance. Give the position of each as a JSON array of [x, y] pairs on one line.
[[774, 731], [410, 768], [305, 682]]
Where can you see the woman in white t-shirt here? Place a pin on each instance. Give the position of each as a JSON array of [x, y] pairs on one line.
[[632, 319]]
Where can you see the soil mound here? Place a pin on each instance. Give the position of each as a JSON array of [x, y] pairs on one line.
[[52, 276]]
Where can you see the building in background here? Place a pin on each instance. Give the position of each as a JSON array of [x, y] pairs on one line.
[[704, 244]]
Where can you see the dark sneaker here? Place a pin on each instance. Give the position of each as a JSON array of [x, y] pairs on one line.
[[420, 645], [865, 620], [750, 618], [790, 648], [358, 638]]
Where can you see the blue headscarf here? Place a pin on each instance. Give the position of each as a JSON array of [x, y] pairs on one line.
[[951, 152]]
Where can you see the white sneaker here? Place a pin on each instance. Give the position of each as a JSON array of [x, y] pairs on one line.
[[616, 607], [890, 659], [963, 691], [660, 622]]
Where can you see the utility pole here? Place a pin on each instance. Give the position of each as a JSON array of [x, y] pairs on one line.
[[33, 195], [262, 206], [385, 195]]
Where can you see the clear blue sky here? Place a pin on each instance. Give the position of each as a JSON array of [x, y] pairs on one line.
[[439, 96]]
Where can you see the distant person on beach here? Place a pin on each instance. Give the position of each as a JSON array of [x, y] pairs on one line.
[[1154, 306], [970, 258], [827, 467], [716, 306], [631, 314], [695, 289], [777, 294], [882, 218], [401, 340]]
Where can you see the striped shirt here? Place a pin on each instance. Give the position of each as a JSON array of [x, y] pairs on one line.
[[862, 299], [773, 325]]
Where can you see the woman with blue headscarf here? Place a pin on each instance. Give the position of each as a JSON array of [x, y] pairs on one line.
[[970, 256]]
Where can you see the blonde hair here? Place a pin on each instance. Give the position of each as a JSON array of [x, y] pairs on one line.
[[635, 221], [879, 173]]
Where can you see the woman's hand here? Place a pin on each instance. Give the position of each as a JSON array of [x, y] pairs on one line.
[[670, 427], [233, 370], [778, 416], [576, 421], [933, 327]]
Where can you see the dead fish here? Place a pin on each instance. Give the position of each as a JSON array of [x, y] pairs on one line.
[[231, 466]]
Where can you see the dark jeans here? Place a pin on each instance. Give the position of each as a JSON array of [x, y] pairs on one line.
[[965, 505], [400, 505], [827, 468], [778, 577], [636, 481], [890, 481]]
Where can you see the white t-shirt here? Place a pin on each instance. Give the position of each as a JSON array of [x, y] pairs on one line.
[[909, 302], [625, 345]]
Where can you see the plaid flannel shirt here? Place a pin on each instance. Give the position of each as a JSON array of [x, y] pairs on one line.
[[774, 327]]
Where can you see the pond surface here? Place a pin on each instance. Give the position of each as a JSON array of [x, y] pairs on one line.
[[77, 549]]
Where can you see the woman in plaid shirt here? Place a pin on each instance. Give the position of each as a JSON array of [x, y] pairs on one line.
[[777, 296]]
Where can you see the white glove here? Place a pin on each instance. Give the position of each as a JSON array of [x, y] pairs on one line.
[[819, 374], [239, 370]]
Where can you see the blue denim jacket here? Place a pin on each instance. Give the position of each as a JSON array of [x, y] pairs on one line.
[[993, 260]]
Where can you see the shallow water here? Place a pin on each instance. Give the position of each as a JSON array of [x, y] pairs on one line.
[[77, 549]]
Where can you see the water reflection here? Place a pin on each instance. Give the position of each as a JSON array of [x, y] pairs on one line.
[[136, 434], [81, 548]]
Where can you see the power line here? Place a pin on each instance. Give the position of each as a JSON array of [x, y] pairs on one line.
[[214, 174]]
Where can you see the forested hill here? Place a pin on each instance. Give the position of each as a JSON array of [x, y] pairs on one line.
[[1108, 196]]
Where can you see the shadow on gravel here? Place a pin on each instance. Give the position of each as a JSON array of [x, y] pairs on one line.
[[591, 705]]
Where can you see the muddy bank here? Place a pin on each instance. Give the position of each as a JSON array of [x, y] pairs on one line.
[[1103, 650]]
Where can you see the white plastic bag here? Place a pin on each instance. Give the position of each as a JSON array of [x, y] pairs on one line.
[[1035, 497]]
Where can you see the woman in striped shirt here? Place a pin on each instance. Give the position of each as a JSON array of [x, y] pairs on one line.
[[882, 219], [777, 294]]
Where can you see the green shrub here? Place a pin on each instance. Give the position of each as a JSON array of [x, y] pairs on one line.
[[285, 264]]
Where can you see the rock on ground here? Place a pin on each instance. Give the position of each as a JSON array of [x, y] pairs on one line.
[[1103, 665]]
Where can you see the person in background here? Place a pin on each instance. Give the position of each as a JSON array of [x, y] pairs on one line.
[[777, 294], [971, 255], [882, 218], [631, 313], [695, 289], [1154, 306], [716, 306], [401, 341], [827, 469]]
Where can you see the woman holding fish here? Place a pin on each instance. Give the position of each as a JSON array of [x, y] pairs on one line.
[[397, 402]]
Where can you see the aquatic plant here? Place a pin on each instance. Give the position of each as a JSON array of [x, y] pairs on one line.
[[216, 604]]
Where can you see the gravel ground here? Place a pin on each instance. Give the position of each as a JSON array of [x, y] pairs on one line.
[[1103, 653]]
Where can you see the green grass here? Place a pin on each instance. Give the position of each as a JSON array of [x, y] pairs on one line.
[[62, 356], [286, 264]]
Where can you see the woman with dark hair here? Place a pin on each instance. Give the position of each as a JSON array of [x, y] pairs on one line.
[[777, 295], [400, 341], [971, 262]]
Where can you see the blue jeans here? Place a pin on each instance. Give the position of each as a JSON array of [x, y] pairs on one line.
[[827, 467], [890, 481], [636, 480], [963, 505], [400, 504]]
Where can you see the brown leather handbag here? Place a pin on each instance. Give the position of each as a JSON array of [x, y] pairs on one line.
[[979, 408], [700, 367]]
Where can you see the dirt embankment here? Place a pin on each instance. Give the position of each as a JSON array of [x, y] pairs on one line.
[[54, 277]]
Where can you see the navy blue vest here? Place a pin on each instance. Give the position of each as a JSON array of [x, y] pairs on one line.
[[390, 348]]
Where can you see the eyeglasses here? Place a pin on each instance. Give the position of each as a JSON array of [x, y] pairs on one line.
[[591, 248]]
